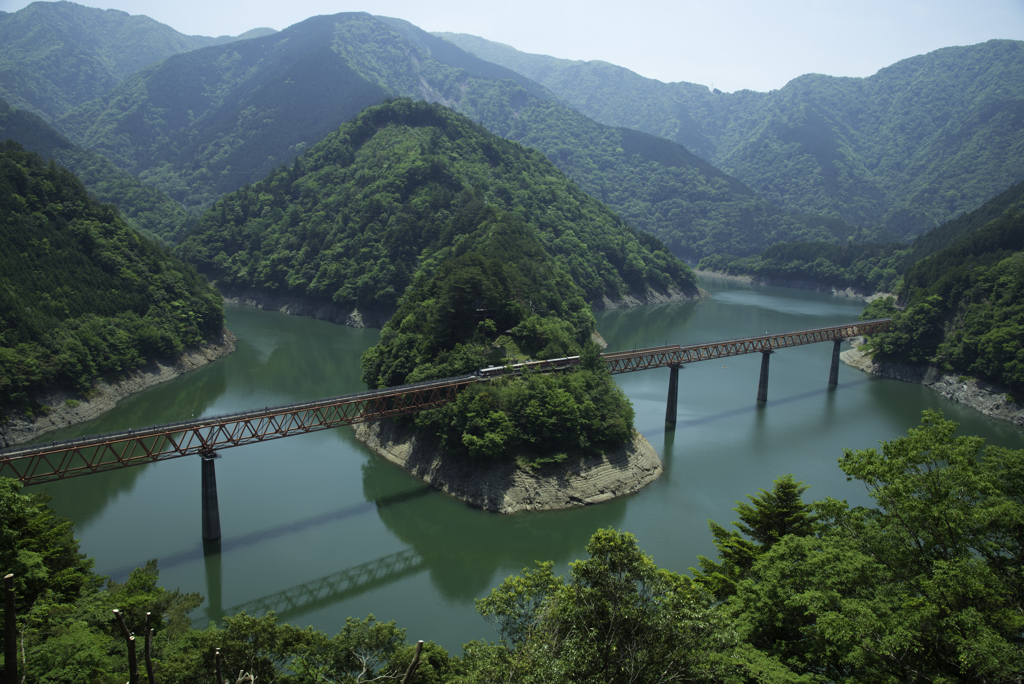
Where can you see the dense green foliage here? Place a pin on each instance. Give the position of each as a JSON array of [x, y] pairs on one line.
[[922, 586], [145, 208], [81, 293], [768, 518], [64, 610], [404, 188], [500, 298], [864, 267], [910, 147], [964, 305], [57, 55], [520, 290]]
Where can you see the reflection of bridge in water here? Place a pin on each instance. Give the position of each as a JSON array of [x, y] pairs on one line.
[[205, 436]]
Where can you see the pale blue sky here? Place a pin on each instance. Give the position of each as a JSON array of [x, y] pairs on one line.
[[731, 44]]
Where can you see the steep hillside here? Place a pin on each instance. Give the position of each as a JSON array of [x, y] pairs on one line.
[[144, 207], [913, 146], [398, 192], [965, 303], [208, 122], [57, 55], [81, 293]]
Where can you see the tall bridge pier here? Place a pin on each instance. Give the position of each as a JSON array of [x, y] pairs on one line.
[[762, 385], [673, 396], [672, 403], [833, 373], [211, 509]]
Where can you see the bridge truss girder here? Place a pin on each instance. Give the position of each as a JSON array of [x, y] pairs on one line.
[[100, 453], [74, 458]]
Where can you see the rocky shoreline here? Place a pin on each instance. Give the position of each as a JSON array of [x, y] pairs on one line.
[[69, 408], [798, 284], [649, 297], [503, 487], [352, 317], [982, 396]]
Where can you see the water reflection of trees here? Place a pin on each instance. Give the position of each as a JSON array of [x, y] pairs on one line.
[[463, 547]]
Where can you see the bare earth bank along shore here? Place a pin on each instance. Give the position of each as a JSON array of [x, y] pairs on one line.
[[67, 407], [503, 486], [982, 396]]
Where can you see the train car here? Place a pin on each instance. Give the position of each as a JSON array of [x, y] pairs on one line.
[[543, 366]]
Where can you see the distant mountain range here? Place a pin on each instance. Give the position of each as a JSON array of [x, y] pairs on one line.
[[826, 159], [57, 55], [911, 147], [206, 122]]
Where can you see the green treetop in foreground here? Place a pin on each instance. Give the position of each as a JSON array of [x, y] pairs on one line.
[[923, 586]]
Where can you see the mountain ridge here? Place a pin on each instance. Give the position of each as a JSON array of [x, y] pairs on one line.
[[798, 129]]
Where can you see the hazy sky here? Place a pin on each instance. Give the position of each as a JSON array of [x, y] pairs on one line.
[[731, 44]]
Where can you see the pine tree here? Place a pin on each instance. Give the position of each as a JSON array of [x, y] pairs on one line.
[[769, 517]]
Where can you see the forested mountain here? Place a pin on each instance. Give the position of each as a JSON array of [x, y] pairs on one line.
[[144, 207], [81, 293], [57, 55], [910, 147], [207, 122], [401, 190]]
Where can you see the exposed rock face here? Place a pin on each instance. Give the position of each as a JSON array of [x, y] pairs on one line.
[[649, 297], [107, 392], [354, 318], [502, 487], [978, 394], [799, 285]]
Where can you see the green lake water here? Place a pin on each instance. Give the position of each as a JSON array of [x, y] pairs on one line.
[[319, 528]]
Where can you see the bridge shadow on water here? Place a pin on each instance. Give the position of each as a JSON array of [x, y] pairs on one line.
[[203, 550], [424, 538], [826, 392], [316, 593]]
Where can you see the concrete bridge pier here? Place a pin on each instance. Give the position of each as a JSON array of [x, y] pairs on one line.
[[833, 374], [762, 387], [673, 396], [211, 510]]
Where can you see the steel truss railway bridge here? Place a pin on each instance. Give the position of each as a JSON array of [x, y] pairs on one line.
[[204, 437]]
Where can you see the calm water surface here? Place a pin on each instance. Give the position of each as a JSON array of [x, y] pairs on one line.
[[318, 528]]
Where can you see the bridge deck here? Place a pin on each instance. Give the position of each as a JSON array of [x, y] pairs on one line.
[[98, 453]]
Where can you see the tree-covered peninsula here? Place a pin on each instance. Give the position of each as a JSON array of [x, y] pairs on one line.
[[485, 252], [398, 192], [81, 293]]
